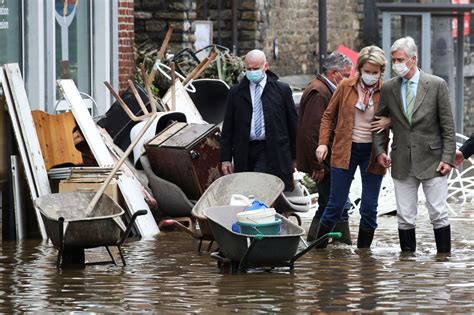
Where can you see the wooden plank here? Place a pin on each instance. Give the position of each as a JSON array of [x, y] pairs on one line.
[[56, 137], [85, 122], [166, 134], [128, 184], [28, 131], [21, 148]]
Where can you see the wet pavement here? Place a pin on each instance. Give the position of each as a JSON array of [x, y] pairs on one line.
[[168, 275]]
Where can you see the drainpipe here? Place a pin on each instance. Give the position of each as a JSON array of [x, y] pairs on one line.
[[234, 27], [219, 22], [322, 33]]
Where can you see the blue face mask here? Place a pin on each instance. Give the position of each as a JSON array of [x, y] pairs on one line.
[[254, 76]]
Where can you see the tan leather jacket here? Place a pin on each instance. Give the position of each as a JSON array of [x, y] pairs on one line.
[[341, 108]]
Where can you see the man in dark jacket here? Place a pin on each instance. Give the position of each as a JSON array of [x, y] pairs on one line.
[[314, 102], [259, 130], [466, 150]]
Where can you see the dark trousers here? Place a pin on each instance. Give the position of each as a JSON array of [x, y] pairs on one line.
[[257, 157], [341, 184], [324, 191]]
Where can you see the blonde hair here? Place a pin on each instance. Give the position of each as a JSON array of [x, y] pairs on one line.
[[371, 54]]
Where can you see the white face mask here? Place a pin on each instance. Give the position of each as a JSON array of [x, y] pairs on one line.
[[370, 79], [400, 69]]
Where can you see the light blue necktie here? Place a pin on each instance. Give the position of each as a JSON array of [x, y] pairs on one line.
[[410, 100], [258, 111]]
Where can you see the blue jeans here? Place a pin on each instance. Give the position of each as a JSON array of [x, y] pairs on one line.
[[324, 191], [341, 180]]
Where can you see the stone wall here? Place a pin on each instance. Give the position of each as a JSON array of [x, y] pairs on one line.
[[153, 18], [126, 44], [468, 105], [291, 25]]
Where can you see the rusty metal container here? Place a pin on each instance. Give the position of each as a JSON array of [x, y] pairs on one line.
[[186, 155]]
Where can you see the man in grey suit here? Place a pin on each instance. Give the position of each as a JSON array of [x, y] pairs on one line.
[[423, 148]]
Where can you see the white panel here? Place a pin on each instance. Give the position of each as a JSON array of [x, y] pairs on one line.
[[21, 148], [134, 198], [85, 122], [25, 119]]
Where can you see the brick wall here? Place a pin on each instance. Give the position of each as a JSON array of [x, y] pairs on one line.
[[126, 44]]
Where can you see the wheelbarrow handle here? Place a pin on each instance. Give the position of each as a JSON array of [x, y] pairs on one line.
[[314, 243], [130, 225]]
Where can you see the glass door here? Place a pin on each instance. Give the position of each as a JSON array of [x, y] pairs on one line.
[[73, 44], [10, 32]]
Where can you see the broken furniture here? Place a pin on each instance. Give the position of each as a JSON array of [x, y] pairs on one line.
[[291, 203], [117, 123], [186, 155], [56, 138], [172, 201], [210, 99]]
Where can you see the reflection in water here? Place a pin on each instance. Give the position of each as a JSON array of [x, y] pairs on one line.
[[167, 274]]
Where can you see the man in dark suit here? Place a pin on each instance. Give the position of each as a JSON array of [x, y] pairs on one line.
[[259, 129], [423, 147], [466, 150], [314, 102]]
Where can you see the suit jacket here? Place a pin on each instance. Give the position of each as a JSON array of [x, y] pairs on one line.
[[341, 110], [429, 139], [280, 128], [467, 148], [313, 103]]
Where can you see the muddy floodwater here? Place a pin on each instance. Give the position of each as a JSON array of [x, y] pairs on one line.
[[168, 275]]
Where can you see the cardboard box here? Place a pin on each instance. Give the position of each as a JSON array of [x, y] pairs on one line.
[[112, 190]]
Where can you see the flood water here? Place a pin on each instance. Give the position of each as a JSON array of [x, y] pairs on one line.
[[168, 275]]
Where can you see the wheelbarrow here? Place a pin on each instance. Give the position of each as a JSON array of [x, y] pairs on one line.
[[264, 187], [245, 251], [79, 220], [71, 229]]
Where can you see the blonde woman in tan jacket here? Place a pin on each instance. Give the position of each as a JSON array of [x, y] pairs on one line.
[[350, 116]]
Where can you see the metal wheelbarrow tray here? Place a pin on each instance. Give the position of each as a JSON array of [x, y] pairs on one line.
[[256, 250], [264, 187], [70, 227]]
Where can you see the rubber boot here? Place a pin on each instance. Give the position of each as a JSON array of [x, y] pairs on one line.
[[313, 230], [443, 239], [365, 237], [323, 230], [407, 240], [343, 227]]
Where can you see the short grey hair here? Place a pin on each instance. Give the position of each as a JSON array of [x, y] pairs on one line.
[[336, 61], [407, 44]]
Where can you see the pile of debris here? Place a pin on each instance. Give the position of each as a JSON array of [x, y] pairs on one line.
[[172, 141]]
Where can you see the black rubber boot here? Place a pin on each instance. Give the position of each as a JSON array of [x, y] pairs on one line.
[[343, 227], [364, 240], [407, 240], [443, 239], [313, 230], [323, 230]]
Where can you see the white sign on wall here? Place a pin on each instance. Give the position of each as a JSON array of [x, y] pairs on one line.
[[203, 34]]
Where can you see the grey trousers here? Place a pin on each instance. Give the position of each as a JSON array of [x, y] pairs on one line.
[[436, 192]]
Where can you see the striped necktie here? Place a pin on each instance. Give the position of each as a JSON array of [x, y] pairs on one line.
[[258, 111], [410, 101]]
